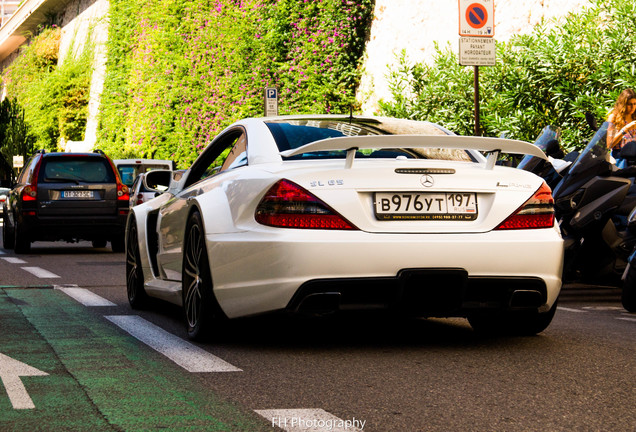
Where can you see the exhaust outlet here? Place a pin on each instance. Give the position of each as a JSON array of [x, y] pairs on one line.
[[526, 299]]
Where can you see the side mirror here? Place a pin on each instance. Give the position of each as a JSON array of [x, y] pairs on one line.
[[157, 180]]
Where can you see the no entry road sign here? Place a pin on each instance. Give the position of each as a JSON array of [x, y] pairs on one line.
[[476, 18]]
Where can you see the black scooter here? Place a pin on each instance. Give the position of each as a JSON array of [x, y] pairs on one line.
[[592, 205]]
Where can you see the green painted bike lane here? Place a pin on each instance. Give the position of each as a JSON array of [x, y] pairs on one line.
[[99, 377]]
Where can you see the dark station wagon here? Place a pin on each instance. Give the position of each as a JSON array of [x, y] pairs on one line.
[[66, 196]]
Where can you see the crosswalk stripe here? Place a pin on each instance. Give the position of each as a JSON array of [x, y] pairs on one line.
[[84, 296], [40, 272], [570, 309], [188, 356], [14, 260]]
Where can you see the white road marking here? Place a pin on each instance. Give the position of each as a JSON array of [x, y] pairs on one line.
[[14, 260], [188, 356], [84, 296], [310, 420], [602, 308], [570, 309], [10, 372], [627, 319], [40, 272]]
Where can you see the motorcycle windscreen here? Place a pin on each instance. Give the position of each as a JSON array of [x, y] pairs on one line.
[[593, 160]]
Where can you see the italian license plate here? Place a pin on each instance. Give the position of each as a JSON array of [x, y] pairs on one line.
[[77, 194], [425, 206]]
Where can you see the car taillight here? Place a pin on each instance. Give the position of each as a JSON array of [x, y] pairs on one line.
[[30, 190], [140, 199], [122, 192], [537, 212], [287, 205], [29, 193]]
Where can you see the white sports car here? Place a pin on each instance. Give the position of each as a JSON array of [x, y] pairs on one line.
[[323, 214]]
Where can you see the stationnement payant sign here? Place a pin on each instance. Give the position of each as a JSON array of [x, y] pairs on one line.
[[18, 161], [477, 18], [477, 51]]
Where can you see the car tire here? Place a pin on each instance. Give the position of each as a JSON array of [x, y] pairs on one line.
[[22, 243], [8, 237], [99, 243], [137, 296], [117, 244], [197, 281], [519, 323], [628, 296]]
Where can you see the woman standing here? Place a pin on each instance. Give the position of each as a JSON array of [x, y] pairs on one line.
[[622, 120]]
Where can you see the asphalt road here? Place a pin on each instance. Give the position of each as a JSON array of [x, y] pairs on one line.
[[371, 373]]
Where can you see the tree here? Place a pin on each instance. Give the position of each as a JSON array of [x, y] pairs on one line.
[[15, 139]]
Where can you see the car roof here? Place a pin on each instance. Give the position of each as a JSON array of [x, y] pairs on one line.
[[83, 154], [139, 161], [389, 124], [267, 150]]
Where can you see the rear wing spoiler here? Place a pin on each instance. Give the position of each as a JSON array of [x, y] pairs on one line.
[[492, 146]]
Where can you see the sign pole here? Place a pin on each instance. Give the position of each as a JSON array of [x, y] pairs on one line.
[[476, 42], [476, 80]]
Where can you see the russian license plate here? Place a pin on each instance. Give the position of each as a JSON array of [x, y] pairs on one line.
[[77, 194], [425, 206]]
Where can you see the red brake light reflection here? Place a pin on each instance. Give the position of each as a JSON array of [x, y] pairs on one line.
[[287, 205], [537, 212]]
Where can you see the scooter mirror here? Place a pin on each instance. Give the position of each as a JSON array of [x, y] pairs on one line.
[[554, 149]]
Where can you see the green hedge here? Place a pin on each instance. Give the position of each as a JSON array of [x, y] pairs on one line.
[[550, 76], [179, 71]]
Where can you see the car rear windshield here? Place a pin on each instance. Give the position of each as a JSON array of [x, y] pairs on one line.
[[129, 173], [77, 169], [296, 133]]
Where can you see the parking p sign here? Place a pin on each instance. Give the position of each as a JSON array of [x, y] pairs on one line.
[[477, 18], [271, 101]]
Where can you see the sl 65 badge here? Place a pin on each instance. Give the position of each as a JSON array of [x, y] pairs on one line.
[[317, 183]]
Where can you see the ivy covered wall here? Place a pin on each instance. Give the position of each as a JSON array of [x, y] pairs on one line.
[[54, 98], [179, 71]]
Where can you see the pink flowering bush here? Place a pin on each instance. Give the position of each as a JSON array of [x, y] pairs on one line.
[[179, 71]]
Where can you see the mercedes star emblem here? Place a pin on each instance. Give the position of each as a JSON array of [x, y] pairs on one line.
[[427, 180]]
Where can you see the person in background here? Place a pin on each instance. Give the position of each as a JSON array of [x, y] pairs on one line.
[[622, 124]]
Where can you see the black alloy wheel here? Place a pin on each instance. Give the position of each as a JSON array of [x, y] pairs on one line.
[[22, 243], [517, 323], [137, 296], [628, 296], [8, 238], [117, 243], [101, 243], [197, 281]]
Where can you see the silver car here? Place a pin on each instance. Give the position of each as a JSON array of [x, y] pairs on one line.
[[4, 193]]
